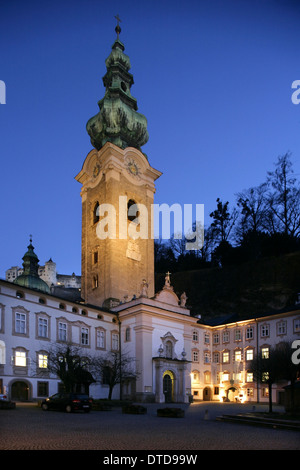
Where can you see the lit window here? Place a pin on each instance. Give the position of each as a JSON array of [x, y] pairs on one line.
[[297, 325], [265, 353], [249, 355], [20, 323], [195, 335], [20, 359], [43, 361], [249, 377], [225, 376], [237, 356], [225, 356]]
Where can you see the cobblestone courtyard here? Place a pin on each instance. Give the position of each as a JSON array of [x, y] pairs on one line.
[[29, 428]]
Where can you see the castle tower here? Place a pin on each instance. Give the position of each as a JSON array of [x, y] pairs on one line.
[[117, 194]]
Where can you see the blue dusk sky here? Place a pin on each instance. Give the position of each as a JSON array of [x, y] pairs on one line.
[[213, 78]]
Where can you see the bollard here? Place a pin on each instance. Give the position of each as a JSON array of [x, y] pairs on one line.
[[206, 414]]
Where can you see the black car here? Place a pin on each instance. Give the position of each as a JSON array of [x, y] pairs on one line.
[[68, 402]]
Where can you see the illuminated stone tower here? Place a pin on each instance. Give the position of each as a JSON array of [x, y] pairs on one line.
[[117, 194]]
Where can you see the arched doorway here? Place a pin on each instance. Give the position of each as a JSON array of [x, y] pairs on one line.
[[20, 391], [168, 386], [207, 394]]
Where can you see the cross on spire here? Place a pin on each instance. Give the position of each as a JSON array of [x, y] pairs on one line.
[[118, 28]]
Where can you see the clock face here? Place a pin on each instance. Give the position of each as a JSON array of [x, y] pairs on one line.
[[133, 168]]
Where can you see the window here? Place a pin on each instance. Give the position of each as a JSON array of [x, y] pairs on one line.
[[225, 377], [265, 352], [42, 389], [95, 257], [43, 361], [43, 328], [238, 355], [226, 336], [216, 358], [206, 338], [225, 357], [195, 356], [216, 338], [250, 392], [133, 213], [95, 281], [20, 323], [249, 377], [115, 341], [127, 334], [100, 339], [281, 328], [62, 331], [206, 357], [249, 332], [96, 213], [20, 359], [207, 377], [264, 331], [296, 325], [238, 335], [249, 354], [84, 336], [195, 335]]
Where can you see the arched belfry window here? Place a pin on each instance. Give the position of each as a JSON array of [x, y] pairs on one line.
[[133, 213], [96, 213]]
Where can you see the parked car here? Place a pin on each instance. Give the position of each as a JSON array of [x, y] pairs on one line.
[[68, 402], [3, 396]]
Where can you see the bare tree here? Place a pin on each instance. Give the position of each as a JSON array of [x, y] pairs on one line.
[[284, 198], [114, 368], [71, 365]]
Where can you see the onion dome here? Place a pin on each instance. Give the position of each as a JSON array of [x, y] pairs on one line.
[[118, 121], [30, 278]]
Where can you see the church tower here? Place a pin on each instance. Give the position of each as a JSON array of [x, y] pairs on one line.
[[117, 194]]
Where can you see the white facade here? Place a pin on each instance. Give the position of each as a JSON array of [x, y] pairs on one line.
[[176, 356]]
